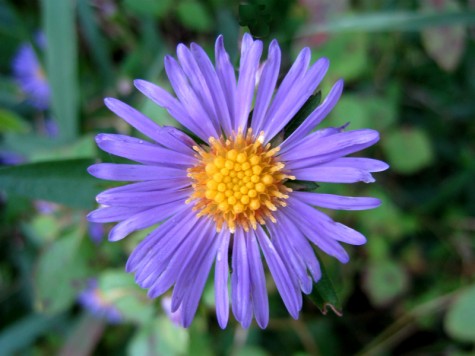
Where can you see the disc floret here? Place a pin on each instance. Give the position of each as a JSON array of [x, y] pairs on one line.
[[238, 181]]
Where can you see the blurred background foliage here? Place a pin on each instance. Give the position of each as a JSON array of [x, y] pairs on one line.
[[409, 73]]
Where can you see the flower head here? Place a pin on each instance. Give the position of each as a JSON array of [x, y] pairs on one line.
[[227, 192], [94, 302], [30, 75]]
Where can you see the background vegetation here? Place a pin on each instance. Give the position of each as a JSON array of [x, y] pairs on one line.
[[409, 72]]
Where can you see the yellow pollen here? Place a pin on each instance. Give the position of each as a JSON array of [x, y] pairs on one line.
[[238, 181]]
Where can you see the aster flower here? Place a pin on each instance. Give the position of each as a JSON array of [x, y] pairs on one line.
[[94, 302], [30, 75], [96, 232], [225, 194]]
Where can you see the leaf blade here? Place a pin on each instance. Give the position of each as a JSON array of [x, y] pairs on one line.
[[66, 182]]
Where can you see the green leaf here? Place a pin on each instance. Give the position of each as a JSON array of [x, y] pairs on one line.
[[118, 288], [159, 337], [194, 16], [384, 281], [339, 49], [98, 46], [61, 64], [84, 147], [408, 150], [65, 182], [23, 333], [43, 228], [302, 185], [460, 316], [391, 21], [61, 266], [310, 105], [11, 122], [324, 295], [149, 7], [364, 111]]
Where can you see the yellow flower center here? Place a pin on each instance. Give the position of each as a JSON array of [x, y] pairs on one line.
[[238, 181]]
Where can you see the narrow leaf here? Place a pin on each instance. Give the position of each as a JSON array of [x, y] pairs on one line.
[[96, 42], [309, 106], [61, 63], [65, 182], [23, 333], [11, 122], [324, 295], [392, 21], [62, 263]]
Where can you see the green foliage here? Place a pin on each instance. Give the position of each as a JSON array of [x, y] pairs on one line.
[[57, 181], [194, 15], [159, 336], [61, 64], [324, 295], [119, 289], [59, 274], [460, 316], [408, 72], [385, 281], [408, 150], [11, 122], [148, 7], [342, 48]]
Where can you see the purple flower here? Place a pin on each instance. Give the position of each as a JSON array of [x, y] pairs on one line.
[[225, 196], [30, 76], [173, 316], [94, 302], [96, 232]]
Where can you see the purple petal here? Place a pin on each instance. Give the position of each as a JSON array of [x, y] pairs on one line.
[[133, 117], [267, 82], [258, 282], [151, 256], [342, 143], [334, 230], [314, 118], [214, 85], [134, 172], [190, 266], [150, 186], [175, 265], [292, 78], [221, 279], [142, 199], [142, 151], [286, 285], [305, 217], [291, 259], [145, 219], [198, 82], [176, 109], [176, 140], [246, 43], [333, 175], [300, 244], [240, 279], [227, 78], [365, 164], [112, 214], [295, 99], [338, 202], [190, 303], [246, 84], [187, 97]]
